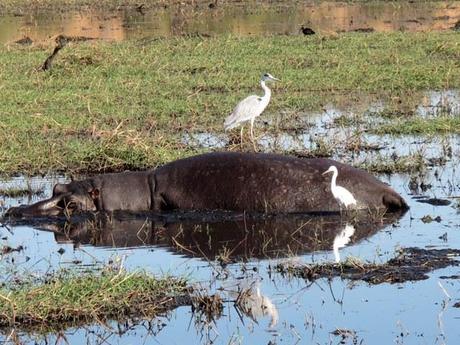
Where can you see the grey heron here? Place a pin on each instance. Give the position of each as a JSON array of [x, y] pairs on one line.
[[341, 194], [249, 108]]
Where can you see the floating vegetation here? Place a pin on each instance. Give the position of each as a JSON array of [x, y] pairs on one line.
[[410, 264]]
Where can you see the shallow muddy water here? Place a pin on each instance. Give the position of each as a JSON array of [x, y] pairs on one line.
[[294, 311], [278, 18]]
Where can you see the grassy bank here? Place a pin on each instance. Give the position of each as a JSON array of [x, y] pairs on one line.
[[19, 6], [111, 106], [67, 299]]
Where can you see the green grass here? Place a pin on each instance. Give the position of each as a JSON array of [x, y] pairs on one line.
[[112, 106], [67, 298], [17, 6]]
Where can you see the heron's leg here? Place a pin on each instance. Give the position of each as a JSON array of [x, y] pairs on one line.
[[252, 133], [241, 134]]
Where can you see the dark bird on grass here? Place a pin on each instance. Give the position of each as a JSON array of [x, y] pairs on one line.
[[307, 31]]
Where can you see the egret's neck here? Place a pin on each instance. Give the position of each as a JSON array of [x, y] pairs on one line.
[[267, 92], [334, 179]]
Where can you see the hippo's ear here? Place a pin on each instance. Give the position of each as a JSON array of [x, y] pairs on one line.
[[59, 188], [94, 193]]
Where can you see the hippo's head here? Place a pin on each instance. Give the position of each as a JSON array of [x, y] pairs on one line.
[[66, 199]]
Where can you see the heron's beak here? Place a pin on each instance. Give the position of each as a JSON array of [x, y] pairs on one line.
[[275, 79], [326, 172]]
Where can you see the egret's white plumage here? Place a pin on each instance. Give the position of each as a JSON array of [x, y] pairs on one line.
[[250, 107], [341, 194]]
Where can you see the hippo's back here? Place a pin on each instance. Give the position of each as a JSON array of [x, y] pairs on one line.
[[261, 183]]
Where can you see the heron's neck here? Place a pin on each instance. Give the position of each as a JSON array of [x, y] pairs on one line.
[[267, 92], [334, 179]]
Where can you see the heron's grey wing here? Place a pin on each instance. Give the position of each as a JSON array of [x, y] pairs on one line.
[[248, 108]]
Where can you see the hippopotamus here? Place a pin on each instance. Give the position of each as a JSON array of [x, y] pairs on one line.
[[234, 181]]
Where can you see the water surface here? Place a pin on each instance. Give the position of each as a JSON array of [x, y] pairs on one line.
[[278, 18]]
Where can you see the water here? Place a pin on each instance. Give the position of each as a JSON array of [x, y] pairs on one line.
[[276, 18]]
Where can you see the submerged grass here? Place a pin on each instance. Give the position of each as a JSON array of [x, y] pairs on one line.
[[16, 192], [418, 125], [111, 106], [68, 299], [390, 165]]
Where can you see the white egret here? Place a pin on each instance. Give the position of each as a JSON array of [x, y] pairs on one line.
[[341, 194], [249, 108]]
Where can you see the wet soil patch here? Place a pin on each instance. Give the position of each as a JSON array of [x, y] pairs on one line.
[[435, 202], [410, 265]]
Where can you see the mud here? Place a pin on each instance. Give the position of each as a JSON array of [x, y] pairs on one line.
[[410, 265], [435, 201]]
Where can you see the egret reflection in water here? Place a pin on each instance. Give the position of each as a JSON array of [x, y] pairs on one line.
[[341, 240]]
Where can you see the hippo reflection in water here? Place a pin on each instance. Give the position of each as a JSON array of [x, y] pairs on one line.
[[235, 237], [232, 181]]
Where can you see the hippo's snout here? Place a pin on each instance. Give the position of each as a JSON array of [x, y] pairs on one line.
[[48, 207], [32, 211]]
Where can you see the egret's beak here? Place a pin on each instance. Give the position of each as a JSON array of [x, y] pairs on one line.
[[327, 171]]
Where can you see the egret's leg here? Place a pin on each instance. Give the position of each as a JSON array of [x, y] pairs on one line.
[[241, 136]]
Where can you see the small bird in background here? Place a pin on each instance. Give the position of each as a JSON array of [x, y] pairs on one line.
[[341, 194], [249, 108], [306, 30]]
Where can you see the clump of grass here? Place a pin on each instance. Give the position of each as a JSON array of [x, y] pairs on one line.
[[403, 164], [68, 298]]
